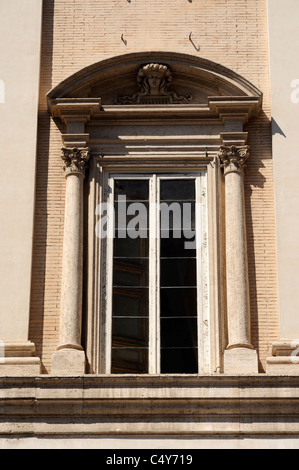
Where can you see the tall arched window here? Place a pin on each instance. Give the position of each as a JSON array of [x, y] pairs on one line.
[[156, 130]]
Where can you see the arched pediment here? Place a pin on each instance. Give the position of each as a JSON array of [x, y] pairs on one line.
[[117, 77]]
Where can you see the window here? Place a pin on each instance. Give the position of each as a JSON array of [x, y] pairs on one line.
[[154, 227]]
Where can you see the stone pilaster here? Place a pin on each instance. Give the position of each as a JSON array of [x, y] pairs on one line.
[[69, 358], [239, 356]]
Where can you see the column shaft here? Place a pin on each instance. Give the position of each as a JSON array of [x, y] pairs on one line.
[[239, 356], [71, 289], [238, 307], [69, 358]]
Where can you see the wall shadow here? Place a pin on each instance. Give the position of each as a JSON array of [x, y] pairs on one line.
[[260, 142], [36, 324]]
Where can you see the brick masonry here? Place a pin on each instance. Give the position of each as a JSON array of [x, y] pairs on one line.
[[78, 33]]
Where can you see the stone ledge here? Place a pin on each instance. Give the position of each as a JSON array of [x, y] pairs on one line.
[[149, 405]]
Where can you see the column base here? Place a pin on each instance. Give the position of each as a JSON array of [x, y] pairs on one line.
[[18, 358], [285, 359], [68, 362], [239, 361]]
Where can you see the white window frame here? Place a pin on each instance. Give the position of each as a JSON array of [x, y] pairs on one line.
[[203, 317]]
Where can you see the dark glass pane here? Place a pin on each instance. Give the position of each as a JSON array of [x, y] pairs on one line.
[[130, 306], [177, 189], [178, 272], [128, 302], [130, 247], [129, 361], [175, 245], [179, 361], [132, 189], [178, 302], [130, 272], [130, 332], [178, 332], [131, 215], [177, 215]]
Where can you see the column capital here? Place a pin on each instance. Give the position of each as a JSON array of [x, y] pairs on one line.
[[75, 160], [233, 158]]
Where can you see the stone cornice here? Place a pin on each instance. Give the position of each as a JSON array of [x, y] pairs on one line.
[[149, 405], [219, 108], [237, 107], [74, 109]]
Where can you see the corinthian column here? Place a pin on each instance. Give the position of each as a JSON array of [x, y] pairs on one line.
[[69, 357], [239, 356]]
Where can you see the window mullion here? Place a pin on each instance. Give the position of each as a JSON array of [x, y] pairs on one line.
[[158, 254], [109, 280], [153, 287]]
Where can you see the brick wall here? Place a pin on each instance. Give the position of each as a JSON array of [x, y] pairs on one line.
[[77, 33]]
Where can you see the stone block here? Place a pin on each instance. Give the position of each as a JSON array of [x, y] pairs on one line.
[[240, 361], [68, 362]]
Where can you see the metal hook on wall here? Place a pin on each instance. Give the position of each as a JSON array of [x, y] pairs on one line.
[[124, 40], [192, 42]]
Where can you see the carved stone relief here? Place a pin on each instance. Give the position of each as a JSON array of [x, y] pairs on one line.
[[233, 158], [154, 81], [75, 160]]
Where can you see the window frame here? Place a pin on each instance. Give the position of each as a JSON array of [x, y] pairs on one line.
[[203, 311]]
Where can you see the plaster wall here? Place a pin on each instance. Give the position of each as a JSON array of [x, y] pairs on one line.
[[19, 77], [284, 67]]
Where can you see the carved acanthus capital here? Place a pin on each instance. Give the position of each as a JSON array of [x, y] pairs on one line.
[[154, 81], [75, 160], [233, 158]]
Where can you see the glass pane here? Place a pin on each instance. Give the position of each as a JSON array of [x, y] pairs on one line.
[[178, 272], [179, 361], [129, 361], [178, 332], [174, 245], [128, 302], [177, 215], [178, 302], [130, 306], [130, 247], [177, 190], [130, 332], [132, 189], [130, 272]]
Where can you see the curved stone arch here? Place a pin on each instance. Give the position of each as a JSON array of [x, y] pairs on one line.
[[116, 76]]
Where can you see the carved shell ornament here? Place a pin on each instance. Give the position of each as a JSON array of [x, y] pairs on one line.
[[154, 81]]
